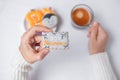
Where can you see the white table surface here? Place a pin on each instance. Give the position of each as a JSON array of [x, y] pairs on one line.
[[72, 64]]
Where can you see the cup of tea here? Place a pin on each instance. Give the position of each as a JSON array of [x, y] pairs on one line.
[[81, 16]]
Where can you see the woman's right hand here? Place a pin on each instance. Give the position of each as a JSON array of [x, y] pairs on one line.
[[98, 38]]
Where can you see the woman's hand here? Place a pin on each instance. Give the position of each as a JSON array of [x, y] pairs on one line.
[[29, 41], [98, 38]]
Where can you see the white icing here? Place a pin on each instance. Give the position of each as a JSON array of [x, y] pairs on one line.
[[50, 23]]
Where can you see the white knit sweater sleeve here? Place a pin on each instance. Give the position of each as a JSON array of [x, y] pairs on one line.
[[102, 67], [21, 68]]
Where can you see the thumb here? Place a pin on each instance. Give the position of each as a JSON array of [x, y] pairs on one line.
[[94, 31], [42, 54]]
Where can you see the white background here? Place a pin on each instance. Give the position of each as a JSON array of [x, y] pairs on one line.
[[72, 64]]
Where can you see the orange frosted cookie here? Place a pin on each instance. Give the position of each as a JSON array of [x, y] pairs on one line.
[[34, 17], [43, 17], [47, 11]]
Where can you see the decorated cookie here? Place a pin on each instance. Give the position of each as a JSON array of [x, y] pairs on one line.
[[50, 20], [55, 40], [44, 17]]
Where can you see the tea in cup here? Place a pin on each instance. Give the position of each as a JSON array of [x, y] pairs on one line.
[[82, 16]]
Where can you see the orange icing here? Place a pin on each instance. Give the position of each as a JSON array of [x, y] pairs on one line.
[[54, 43], [34, 17]]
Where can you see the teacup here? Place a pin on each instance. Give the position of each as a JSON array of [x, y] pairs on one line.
[[81, 16]]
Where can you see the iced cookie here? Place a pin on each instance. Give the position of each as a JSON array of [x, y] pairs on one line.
[[55, 40], [44, 17]]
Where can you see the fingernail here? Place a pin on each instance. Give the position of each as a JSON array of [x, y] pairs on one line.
[[39, 33], [45, 51], [95, 23]]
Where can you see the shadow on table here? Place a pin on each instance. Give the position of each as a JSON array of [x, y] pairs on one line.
[[109, 48]]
